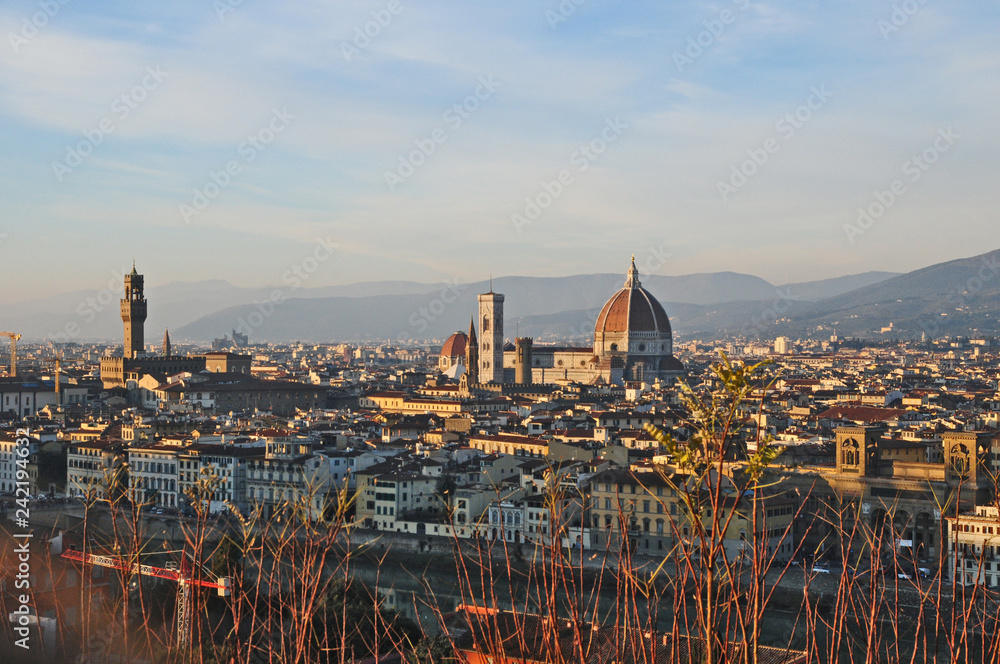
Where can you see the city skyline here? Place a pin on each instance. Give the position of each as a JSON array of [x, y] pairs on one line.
[[325, 320], [953, 297], [418, 150]]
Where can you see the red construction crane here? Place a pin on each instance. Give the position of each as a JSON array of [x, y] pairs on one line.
[[183, 577]]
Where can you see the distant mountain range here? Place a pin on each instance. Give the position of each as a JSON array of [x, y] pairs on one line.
[[700, 306], [959, 297]]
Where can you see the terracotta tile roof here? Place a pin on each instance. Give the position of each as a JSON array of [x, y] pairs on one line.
[[512, 438], [505, 636], [455, 345], [862, 413], [633, 309]]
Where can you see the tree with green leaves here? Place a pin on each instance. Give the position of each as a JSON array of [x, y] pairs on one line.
[[433, 650], [717, 481]]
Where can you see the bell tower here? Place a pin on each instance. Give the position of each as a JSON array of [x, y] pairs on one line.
[[857, 450], [491, 337], [964, 452], [134, 314]]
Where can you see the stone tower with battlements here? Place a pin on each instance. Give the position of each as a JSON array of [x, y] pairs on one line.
[[134, 315]]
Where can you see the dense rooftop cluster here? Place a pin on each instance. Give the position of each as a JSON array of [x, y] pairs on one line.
[[419, 455]]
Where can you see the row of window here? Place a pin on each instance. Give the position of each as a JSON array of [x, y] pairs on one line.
[[155, 483], [971, 563], [631, 489], [971, 550], [280, 495], [769, 533], [207, 462], [272, 477], [634, 524], [511, 518], [966, 528], [645, 543], [647, 506], [989, 579], [156, 467], [191, 478], [86, 465]]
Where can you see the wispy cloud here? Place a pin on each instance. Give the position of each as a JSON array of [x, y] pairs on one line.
[[353, 120], [692, 90]]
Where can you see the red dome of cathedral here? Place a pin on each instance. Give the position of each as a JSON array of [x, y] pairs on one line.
[[632, 309], [455, 345]]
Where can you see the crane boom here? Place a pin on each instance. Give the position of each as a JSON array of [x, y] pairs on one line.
[[57, 361], [222, 585], [185, 610]]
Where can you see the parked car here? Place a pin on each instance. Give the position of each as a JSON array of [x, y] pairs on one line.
[[900, 571], [820, 568]]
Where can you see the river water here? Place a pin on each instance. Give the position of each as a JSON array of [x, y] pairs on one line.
[[422, 587]]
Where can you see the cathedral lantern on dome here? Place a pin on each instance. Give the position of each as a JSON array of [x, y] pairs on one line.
[[634, 327]]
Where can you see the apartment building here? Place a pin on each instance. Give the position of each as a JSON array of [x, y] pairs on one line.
[[288, 474], [642, 507], [93, 467], [513, 444], [215, 474], [9, 457], [974, 547], [153, 474]]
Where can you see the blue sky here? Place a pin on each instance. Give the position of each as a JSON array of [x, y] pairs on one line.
[[686, 116]]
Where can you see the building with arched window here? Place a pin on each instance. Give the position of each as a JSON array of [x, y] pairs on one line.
[[633, 341]]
